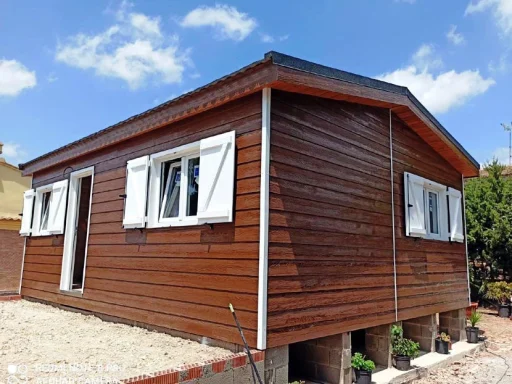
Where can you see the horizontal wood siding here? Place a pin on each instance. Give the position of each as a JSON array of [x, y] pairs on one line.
[[330, 250], [178, 278], [331, 237], [431, 275]]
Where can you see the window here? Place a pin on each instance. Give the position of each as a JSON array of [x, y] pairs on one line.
[[428, 211], [178, 189], [44, 210], [165, 189], [433, 213]]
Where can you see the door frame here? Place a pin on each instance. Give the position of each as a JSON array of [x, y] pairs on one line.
[[69, 234]]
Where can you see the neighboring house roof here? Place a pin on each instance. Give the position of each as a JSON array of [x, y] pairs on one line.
[[283, 72]]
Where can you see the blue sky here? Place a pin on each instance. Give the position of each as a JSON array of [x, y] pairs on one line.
[[68, 69]]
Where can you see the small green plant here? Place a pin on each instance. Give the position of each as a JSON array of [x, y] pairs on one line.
[[474, 318], [499, 291], [402, 346], [360, 362], [444, 337]]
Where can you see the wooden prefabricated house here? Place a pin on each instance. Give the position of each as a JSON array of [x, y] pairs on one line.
[[316, 201]]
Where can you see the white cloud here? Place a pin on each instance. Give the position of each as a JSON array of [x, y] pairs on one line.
[[454, 37], [134, 50], [438, 91], [228, 22], [501, 65], [52, 77], [501, 154], [501, 9], [14, 153], [195, 75], [15, 77], [266, 38]]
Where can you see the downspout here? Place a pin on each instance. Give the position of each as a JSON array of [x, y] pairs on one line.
[[264, 213], [393, 209], [466, 238]]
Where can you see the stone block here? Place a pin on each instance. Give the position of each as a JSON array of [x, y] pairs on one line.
[[335, 358], [276, 357], [334, 341], [244, 375], [329, 374]]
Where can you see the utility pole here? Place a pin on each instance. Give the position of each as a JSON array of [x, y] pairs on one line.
[[508, 128]]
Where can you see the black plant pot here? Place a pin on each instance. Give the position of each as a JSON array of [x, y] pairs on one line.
[[504, 310], [472, 334], [442, 347], [403, 363], [363, 377]]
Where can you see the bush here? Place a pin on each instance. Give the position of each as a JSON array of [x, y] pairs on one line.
[[402, 346], [474, 318], [359, 362], [499, 291]]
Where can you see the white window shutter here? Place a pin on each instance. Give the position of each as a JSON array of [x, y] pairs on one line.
[[57, 214], [26, 218], [455, 207], [136, 192], [216, 178], [414, 206]]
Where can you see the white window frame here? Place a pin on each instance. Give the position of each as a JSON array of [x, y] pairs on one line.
[[185, 152], [442, 205], [69, 235], [38, 204]]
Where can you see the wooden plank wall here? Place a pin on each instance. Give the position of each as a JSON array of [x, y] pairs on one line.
[[177, 278], [330, 250], [431, 275]]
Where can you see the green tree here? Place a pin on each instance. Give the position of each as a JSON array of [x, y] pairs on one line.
[[489, 226]]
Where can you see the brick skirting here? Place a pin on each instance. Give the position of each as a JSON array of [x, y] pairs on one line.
[[235, 369], [10, 297]]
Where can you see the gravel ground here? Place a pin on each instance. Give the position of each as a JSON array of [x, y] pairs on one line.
[[41, 343], [491, 366]]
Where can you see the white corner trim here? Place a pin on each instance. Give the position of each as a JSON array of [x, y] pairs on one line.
[[25, 240], [264, 213], [466, 239], [393, 208]]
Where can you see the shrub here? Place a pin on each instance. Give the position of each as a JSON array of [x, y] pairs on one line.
[[402, 346], [499, 291], [474, 318], [360, 362]]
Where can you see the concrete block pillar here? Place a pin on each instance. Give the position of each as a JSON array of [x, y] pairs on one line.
[[423, 330], [346, 359], [276, 365], [453, 323], [378, 344]]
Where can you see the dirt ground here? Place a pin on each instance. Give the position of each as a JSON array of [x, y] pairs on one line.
[[491, 366], [40, 343]]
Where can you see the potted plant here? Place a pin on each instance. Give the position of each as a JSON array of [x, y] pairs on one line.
[[403, 349], [363, 368], [443, 341], [473, 331], [500, 291]]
